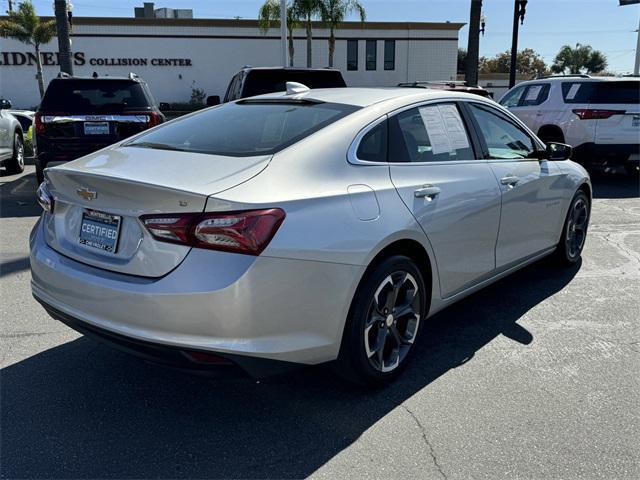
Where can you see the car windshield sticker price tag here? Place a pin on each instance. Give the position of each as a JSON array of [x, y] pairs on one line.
[[573, 91], [533, 92], [454, 127], [434, 124]]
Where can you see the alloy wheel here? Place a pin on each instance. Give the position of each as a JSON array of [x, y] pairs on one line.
[[392, 321], [20, 154], [577, 227]]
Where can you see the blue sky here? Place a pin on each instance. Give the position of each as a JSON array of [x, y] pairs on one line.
[[549, 24]]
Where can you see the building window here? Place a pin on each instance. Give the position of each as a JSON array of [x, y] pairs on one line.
[[372, 53], [352, 54], [389, 54]]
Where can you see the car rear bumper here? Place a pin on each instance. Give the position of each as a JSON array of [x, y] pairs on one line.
[[268, 308], [612, 154]]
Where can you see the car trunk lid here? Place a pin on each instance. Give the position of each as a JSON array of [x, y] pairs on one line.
[[106, 192]]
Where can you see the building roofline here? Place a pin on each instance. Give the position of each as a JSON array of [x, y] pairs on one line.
[[223, 22]]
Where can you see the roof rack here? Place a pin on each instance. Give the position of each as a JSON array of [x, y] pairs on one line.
[[461, 83], [572, 75], [63, 75], [133, 76]]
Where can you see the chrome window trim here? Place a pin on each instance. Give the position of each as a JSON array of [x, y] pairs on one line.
[[132, 118], [353, 159]]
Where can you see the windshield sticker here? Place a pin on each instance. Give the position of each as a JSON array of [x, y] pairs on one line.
[[454, 127], [434, 123], [571, 94], [533, 93]]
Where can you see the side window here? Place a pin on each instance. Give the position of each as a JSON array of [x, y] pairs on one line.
[[372, 54], [504, 139], [535, 95], [576, 92], [389, 54], [512, 97], [373, 146], [431, 133]]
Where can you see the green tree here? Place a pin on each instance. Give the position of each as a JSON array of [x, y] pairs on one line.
[[581, 59], [528, 62], [333, 13], [270, 14], [305, 11], [25, 26]]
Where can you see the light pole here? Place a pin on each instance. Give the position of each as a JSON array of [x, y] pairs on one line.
[[473, 44], [283, 31], [519, 9], [63, 9]]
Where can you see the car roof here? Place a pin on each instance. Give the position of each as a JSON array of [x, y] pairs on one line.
[[292, 69], [578, 78], [364, 97]]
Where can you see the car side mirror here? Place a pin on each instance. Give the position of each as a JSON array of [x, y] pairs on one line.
[[213, 100], [558, 151], [5, 104], [164, 107]]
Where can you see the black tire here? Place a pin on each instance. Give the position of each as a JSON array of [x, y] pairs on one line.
[[39, 174], [574, 231], [16, 164], [366, 328]]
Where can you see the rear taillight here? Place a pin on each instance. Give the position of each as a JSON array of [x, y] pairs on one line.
[[37, 122], [45, 199], [152, 118], [595, 114], [40, 120], [247, 232]]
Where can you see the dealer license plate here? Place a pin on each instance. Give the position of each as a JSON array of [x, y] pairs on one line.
[[100, 230], [96, 128]]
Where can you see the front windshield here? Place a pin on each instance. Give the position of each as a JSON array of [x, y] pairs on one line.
[[245, 128]]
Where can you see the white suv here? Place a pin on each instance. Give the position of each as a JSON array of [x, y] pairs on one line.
[[598, 116]]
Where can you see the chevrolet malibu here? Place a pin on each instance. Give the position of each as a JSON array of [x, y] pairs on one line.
[[302, 227]]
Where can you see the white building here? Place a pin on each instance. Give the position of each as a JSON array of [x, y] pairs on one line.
[[173, 54]]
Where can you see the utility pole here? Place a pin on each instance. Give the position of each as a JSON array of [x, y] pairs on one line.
[[64, 42], [10, 6], [519, 9], [636, 68], [283, 31], [473, 44]]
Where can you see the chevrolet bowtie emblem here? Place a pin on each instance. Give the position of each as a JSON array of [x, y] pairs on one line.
[[86, 193]]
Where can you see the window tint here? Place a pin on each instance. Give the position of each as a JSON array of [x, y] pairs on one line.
[[389, 54], [372, 53], [352, 54], [512, 98], [577, 92], [535, 95], [93, 96], [259, 82], [430, 133], [245, 128], [627, 92], [373, 146], [504, 139]]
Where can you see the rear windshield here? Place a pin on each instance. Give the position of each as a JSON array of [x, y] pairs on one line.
[[621, 92], [91, 96], [245, 128], [259, 82]]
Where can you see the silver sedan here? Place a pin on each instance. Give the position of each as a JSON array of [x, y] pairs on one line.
[[301, 227]]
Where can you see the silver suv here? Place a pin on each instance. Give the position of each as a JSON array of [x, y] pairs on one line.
[[11, 140]]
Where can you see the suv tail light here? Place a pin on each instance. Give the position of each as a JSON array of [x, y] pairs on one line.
[[247, 232], [40, 121], [595, 114], [37, 122], [153, 118]]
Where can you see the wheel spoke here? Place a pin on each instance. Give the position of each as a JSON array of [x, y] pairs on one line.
[[404, 310], [400, 340]]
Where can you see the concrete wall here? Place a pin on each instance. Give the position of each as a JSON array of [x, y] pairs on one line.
[[209, 52]]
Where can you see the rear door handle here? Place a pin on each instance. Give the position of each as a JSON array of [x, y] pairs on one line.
[[428, 191], [509, 180]]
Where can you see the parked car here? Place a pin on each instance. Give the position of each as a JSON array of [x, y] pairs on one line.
[[251, 81], [301, 227], [79, 115], [11, 140], [598, 116], [451, 86]]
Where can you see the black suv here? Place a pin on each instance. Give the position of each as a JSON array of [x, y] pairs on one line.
[[252, 81], [79, 115]]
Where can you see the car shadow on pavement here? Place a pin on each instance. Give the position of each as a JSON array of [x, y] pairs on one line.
[[614, 185], [82, 410], [18, 196]]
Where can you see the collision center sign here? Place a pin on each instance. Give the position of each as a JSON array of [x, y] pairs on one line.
[[49, 59]]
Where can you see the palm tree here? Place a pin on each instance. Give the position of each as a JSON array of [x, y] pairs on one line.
[[305, 10], [270, 13], [25, 26], [333, 13], [577, 59]]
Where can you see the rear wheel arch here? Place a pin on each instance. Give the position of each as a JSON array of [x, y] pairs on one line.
[[586, 188], [551, 133]]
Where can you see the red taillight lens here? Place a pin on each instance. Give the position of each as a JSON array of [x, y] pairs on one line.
[[595, 114], [37, 122], [153, 118], [247, 232]]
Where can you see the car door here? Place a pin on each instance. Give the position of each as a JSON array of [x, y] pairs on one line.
[[453, 195], [527, 105], [532, 190]]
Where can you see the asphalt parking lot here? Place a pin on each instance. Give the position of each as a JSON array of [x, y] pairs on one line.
[[534, 377]]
